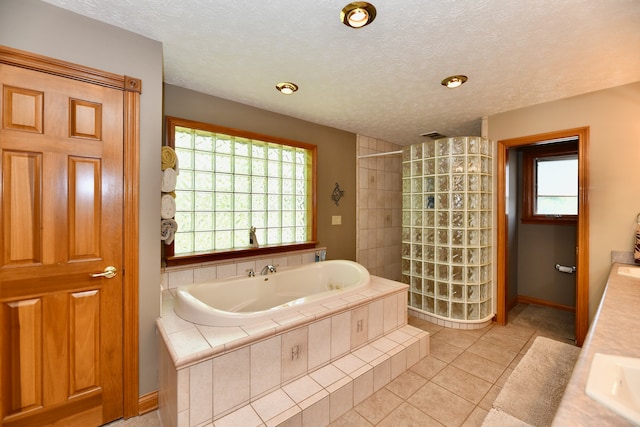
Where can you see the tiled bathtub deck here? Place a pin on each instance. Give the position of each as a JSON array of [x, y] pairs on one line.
[[326, 394], [308, 367], [455, 385]]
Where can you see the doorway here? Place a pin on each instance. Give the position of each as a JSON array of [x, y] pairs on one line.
[[582, 238]]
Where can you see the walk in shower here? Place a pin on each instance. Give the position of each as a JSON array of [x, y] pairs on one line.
[[446, 230]]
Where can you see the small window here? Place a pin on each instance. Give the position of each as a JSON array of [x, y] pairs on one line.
[[231, 181], [550, 183]]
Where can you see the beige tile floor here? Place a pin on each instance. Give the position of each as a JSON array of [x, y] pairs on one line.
[[454, 386]]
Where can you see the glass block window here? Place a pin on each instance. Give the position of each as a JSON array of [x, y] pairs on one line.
[[230, 181]]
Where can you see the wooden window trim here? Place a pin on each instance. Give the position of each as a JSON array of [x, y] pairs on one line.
[[172, 260], [529, 157]]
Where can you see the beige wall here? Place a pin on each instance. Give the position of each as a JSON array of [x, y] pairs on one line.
[[613, 116], [41, 28], [336, 156]]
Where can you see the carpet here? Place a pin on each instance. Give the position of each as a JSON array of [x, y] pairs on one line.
[[533, 391], [549, 321], [497, 418]]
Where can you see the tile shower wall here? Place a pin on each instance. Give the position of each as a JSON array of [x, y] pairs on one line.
[[446, 227], [379, 224]]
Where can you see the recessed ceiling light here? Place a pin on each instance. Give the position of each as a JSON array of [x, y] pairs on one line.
[[358, 14], [454, 81], [287, 87]]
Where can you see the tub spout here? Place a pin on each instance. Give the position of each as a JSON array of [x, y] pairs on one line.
[[268, 269]]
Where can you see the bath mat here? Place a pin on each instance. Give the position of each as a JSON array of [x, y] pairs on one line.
[[496, 417], [549, 321], [533, 391]]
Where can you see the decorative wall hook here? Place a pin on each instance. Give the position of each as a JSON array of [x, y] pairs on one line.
[[337, 194]]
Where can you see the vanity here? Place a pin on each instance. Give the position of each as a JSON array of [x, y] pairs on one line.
[[614, 331]]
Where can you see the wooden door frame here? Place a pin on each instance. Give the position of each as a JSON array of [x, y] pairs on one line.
[[131, 88], [582, 250]]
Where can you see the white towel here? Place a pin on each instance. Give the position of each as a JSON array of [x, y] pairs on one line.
[[169, 179], [168, 207], [168, 229]]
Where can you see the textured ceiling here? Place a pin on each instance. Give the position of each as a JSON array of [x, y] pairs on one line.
[[383, 80]]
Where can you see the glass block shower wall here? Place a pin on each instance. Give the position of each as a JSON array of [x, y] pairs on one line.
[[446, 228]]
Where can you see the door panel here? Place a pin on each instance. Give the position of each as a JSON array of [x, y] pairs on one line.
[[61, 144], [22, 109], [24, 319], [22, 178], [84, 208]]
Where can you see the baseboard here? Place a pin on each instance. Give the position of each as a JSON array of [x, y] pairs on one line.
[[512, 303], [147, 403], [530, 300]]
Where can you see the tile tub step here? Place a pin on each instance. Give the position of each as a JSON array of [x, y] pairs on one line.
[[322, 396]]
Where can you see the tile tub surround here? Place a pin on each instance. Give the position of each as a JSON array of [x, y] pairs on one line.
[[613, 331], [314, 363], [172, 277]]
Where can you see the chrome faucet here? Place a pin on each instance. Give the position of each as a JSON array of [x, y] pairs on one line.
[[268, 269]]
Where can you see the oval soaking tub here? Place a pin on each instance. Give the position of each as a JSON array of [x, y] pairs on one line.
[[245, 300]]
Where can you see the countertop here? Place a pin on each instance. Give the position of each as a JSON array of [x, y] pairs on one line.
[[615, 330]]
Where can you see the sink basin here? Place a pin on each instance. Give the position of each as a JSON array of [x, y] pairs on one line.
[[614, 381], [629, 271]]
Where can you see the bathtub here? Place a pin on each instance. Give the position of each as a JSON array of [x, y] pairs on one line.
[[245, 300]]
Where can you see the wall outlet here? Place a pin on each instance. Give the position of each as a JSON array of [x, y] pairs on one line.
[[336, 220]]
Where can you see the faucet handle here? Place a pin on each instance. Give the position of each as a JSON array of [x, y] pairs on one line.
[[251, 272]]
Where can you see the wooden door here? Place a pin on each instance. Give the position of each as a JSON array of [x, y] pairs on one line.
[[61, 172]]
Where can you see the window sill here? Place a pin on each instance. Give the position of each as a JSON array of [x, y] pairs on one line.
[[550, 220], [199, 258]]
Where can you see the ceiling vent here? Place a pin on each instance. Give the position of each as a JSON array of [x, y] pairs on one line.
[[433, 135]]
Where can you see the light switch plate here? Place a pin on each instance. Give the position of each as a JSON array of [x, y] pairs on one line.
[[336, 220]]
